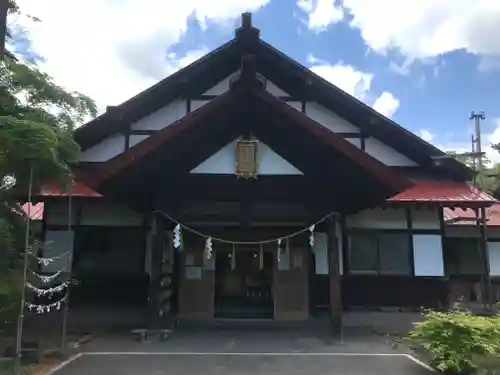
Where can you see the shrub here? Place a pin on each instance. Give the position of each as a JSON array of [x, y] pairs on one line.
[[457, 340]]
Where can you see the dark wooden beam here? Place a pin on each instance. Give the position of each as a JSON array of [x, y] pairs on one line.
[[143, 132], [334, 275], [409, 227], [127, 137], [345, 244]]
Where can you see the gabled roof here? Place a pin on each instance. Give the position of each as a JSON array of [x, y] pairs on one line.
[[247, 90], [283, 71]]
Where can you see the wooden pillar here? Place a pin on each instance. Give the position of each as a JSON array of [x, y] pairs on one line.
[[160, 281], [334, 275], [155, 270], [483, 243], [449, 298]]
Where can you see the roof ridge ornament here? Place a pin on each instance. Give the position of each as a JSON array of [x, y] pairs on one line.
[[246, 20], [248, 76], [247, 30]]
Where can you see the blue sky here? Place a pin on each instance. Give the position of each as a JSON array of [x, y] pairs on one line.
[[426, 65]]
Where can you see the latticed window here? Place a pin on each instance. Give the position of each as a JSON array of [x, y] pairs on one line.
[[246, 158]]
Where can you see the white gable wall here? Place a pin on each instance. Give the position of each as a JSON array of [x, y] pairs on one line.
[[195, 104], [296, 105], [224, 162], [387, 155], [329, 119], [115, 144], [223, 86], [177, 109], [219, 88], [163, 117], [105, 150], [275, 90]]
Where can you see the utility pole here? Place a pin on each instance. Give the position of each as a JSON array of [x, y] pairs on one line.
[[476, 142], [481, 213]]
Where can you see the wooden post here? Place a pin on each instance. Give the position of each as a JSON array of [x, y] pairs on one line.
[[154, 319], [334, 275], [483, 243]]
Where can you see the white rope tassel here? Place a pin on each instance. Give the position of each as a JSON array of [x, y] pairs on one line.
[[311, 235], [208, 247], [177, 236], [40, 309], [48, 279], [278, 252], [48, 292], [47, 261], [178, 242]]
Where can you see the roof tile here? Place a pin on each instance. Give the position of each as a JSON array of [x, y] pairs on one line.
[[442, 191]]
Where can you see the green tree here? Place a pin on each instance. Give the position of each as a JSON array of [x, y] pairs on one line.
[[489, 177], [37, 119]]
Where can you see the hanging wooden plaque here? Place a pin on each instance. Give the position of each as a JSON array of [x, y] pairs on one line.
[[246, 158]]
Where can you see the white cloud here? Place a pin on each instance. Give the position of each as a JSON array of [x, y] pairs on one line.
[[346, 77], [386, 104], [112, 50], [426, 28], [426, 135], [355, 83], [321, 13]]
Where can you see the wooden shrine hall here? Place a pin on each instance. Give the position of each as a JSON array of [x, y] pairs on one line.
[[246, 186]]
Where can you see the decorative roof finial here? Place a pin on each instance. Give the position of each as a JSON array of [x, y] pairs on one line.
[[247, 30], [246, 20]]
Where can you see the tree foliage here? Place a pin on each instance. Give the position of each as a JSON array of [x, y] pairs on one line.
[[37, 119], [457, 341], [488, 177]]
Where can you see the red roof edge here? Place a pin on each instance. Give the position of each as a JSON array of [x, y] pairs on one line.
[[77, 189], [448, 193]]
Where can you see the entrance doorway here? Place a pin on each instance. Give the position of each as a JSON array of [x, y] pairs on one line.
[[244, 284]]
